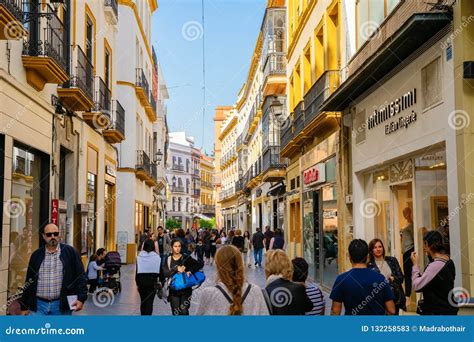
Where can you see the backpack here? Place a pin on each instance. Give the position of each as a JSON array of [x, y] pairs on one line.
[[224, 293]]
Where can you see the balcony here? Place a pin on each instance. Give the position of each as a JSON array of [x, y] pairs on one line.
[[239, 186], [274, 74], [308, 115], [319, 92], [227, 194], [77, 94], [111, 11], [115, 132], [179, 189], [145, 170], [45, 52], [196, 192], [99, 117], [142, 88], [273, 167], [152, 179], [150, 108], [11, 20], [177, 167]]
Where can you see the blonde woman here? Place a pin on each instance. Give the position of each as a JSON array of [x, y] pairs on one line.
[[283, 295], [232, 295]]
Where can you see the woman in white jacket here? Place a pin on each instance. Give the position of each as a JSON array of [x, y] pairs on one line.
[[148, 269], [232, 295]]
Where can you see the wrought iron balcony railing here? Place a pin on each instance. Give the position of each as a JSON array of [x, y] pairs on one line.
[[118, 118], [47, 39], [142, 82], [271, 159], [15, 7], [275, 64], [143, 161], [177, 167]]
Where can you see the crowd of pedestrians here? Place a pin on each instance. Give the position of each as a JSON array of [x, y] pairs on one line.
[[375, 285]]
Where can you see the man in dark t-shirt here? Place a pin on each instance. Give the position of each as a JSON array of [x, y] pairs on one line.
[[361, 290]]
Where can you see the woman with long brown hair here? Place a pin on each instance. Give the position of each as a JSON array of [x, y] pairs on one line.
[[232, 295], [389, 267]]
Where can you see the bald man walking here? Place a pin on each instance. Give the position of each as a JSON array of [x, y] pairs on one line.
[[56, 283]]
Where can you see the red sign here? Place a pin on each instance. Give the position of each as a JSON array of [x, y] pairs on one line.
[[315, 174], [55, 211]]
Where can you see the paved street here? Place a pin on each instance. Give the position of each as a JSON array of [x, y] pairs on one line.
[[128, 301]]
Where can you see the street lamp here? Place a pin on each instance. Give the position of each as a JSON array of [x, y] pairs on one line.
[[158, 156]]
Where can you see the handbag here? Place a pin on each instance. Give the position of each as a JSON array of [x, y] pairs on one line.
[[181, 281]]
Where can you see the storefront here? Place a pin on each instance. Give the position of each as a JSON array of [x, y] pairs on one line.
[[28, 209], [404, 156], [319, 210], [110, 195]]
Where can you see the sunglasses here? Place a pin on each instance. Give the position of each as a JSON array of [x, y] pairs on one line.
[[51, 234]]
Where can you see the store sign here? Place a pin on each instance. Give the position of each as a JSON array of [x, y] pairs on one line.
[[54, 211], [385, 112], [315, 174]]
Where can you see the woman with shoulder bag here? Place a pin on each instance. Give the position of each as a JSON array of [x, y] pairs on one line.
[[146, 278], [177, 262], [437, 281], [389, 267]]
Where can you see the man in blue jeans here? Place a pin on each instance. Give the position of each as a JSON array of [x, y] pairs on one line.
[[257, 245], [55, 272]]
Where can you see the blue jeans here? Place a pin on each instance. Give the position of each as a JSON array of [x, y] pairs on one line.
[[257, 255], [44, 308]]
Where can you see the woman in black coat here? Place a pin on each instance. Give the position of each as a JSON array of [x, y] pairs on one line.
[[283, 296], [180, 263], [389, 267]]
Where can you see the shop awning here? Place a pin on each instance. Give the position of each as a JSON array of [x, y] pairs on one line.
[[201, 216], [412, 35], [277, 189]]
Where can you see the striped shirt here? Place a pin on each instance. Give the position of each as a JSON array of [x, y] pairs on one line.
[[50, 276], [317, 298]]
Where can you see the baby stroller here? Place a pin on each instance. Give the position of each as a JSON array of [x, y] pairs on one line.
[[113, 262]]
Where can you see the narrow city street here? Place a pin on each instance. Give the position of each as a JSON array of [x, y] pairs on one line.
[[127, 303]]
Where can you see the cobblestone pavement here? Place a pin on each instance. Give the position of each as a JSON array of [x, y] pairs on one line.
[[127, 302]]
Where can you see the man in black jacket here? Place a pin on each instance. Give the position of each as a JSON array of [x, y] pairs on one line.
[[55, 272], [257, 245]]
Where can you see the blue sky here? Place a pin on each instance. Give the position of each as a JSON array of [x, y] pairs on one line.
[[231, 29]]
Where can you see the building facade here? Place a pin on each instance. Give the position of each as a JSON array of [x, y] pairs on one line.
[[61, 118], [221, 113], [180, 177], [207, 201], [252, 171], [138, 159], [400, 126]]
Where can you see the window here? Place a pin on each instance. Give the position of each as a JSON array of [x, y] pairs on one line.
[[179, 204], [307, 68], [107, 68], [89, 39], [91, 216], [431, 83], [174, 204], [62, 174]]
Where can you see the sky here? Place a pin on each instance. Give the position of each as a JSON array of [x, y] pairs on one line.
[[230, 32]]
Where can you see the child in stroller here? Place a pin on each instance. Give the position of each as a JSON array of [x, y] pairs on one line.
[[112, 265]]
